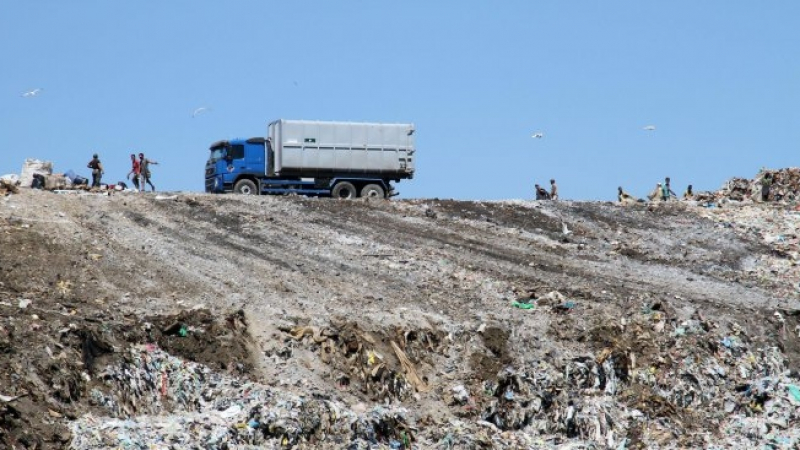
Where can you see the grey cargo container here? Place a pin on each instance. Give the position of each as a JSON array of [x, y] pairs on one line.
[[315, 148]]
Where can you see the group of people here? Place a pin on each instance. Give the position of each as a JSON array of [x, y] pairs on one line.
[[663, 191], [542, 194], [139, 174]]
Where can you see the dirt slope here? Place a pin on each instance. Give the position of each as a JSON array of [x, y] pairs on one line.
[[297, 293]]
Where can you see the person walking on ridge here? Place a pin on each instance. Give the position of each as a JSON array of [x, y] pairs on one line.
[[135, 172], [144, 170]]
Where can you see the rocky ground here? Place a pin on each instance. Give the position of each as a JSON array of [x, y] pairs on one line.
[[190, 320]]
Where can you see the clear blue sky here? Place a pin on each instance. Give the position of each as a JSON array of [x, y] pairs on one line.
[[720, 80]]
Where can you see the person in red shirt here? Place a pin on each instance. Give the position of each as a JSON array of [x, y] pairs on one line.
[[135, 171]]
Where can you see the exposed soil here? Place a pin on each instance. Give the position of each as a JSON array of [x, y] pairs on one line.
[[370, 302]]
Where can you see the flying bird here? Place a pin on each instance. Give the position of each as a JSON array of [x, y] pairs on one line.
[[199, 110], [32, 93], [649, 128], [537, 135]]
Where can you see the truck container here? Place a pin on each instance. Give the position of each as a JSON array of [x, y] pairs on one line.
[[338, 159]]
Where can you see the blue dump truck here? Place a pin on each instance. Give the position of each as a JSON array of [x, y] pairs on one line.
[[336, 159]]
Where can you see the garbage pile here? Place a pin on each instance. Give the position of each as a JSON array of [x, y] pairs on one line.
[[382, 367], [39, 174], [53, 349], [655, 383], [34, 167], [784, 186], [155, 399], [9, 185]]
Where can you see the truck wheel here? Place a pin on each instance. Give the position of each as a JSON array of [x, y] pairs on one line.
[[344, 189], [373, 191], [245, 187]]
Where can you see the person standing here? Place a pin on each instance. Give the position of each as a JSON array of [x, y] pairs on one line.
[[553, 190], [144, 170], [766, 186], [135, 172], [666, 191], [97, 170]]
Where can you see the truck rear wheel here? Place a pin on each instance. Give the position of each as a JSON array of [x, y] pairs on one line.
[[373, 191], [344, 189], [245, 187]]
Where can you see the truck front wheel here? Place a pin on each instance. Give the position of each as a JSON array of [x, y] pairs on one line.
[[245, 187], [373, 191], [344, 189]]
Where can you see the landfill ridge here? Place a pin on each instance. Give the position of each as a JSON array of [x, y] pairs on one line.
[[187, 320]]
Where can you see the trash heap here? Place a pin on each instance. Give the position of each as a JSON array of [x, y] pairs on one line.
[[648, 381], [652, 382], [157, 401], [9, 184], [785, 186], [383, 367], [33, 167]]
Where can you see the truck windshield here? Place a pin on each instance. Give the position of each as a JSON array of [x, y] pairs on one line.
[[217, 153]]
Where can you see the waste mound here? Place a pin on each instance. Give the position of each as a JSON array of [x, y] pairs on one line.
[[55, 351], [383, 366], [784, 186], [153, 397]]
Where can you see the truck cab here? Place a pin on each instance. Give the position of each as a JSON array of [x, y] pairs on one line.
[[235, 162]]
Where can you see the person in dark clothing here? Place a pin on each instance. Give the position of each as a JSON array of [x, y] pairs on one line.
[[541, 193], [97, 170], [766, 186], [38, 181]]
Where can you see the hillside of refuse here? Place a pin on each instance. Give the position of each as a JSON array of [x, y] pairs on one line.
[[186, 320]]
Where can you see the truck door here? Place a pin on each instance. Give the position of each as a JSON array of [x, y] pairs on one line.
[[235, 161]]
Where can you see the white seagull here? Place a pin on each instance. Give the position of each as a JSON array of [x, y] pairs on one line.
[[199, 110], [649, 128], [32, 93], [564, 230], [537, 135]]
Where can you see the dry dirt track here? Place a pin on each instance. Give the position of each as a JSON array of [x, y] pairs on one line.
[[445, 268]]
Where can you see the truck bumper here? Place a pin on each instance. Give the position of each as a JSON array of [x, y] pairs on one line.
[[214, 185]]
